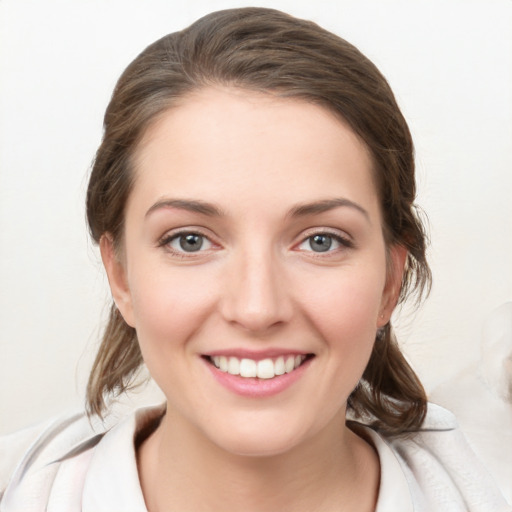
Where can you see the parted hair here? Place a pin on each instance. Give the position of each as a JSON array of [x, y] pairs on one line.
[[264, 50]]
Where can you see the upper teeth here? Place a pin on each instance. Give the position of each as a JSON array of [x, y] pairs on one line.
[[263, 369]]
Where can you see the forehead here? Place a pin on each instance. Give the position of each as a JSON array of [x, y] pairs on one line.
[[264, 148]]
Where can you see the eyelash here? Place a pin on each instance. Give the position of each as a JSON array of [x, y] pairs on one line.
[[344, 241], [168, 238]]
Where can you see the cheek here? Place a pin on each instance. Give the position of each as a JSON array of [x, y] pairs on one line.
[[344, 312], [348, 303], [169, 304]]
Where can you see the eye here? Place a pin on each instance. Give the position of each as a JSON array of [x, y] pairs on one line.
[[324, 242], [187, 242]]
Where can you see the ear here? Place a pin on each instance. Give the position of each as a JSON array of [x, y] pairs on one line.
[[117, 280], [395, 270]]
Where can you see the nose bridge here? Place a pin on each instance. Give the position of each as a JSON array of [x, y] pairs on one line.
[[257, 296]]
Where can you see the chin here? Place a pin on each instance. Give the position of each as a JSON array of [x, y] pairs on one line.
[[258, 438], [259, 447]]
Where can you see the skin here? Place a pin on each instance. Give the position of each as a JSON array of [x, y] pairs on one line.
[[256, 284]]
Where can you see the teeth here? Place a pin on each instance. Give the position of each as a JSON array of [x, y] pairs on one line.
[[279, 366], [289, 364], [234, 366], [223, 364], [263, 369], [248, 368], [266, 369]]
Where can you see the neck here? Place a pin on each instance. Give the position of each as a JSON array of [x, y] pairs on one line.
[[182, 470]]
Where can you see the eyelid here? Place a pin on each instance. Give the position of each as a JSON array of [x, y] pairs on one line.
[[176, 240], [173, 234], [343, 238]]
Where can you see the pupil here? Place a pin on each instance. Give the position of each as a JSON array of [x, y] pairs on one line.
[[321, 243], [191, 243]]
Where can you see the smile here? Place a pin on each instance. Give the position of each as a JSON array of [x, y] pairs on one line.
[[263, 369]]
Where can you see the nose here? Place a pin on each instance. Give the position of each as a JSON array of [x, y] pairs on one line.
[[257, 295]]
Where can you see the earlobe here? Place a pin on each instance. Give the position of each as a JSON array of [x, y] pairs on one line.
[[396, 265], [116, 274]]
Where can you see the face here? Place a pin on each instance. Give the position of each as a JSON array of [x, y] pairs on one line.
[[254, 267]]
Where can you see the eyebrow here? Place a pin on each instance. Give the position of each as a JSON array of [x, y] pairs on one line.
[[300, 210], [189, 205], [325, 205]]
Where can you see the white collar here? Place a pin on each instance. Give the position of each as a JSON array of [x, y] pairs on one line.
[[394, 492], [112, 480]]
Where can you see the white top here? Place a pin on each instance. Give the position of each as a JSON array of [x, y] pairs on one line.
[[66, 466]]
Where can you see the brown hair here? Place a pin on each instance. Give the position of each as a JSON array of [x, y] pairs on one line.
[[265, 50]]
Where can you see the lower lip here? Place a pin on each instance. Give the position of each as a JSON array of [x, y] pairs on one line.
[[257, 388]]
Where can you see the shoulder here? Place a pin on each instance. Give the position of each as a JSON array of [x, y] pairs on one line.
[[30, 458], [74, 464], [442, 471]]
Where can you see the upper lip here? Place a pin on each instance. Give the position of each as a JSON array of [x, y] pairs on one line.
[[256, 355]]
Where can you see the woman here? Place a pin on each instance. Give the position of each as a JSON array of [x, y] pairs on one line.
[[253, 200]]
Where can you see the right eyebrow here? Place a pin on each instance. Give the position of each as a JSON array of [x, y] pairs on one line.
[[325, 205], [190, 205]]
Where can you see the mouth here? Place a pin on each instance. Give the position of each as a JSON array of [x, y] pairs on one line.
[[264, 369]]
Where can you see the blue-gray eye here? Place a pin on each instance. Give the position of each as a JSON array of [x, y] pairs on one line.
[[321, 242], [189, 242]]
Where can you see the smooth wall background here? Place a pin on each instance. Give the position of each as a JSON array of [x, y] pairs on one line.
[[450, 65]]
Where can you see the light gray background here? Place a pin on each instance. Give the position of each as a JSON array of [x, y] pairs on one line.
[[450, 65]]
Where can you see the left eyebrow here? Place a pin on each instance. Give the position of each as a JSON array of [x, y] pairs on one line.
[[325, 205], [201, 207]]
